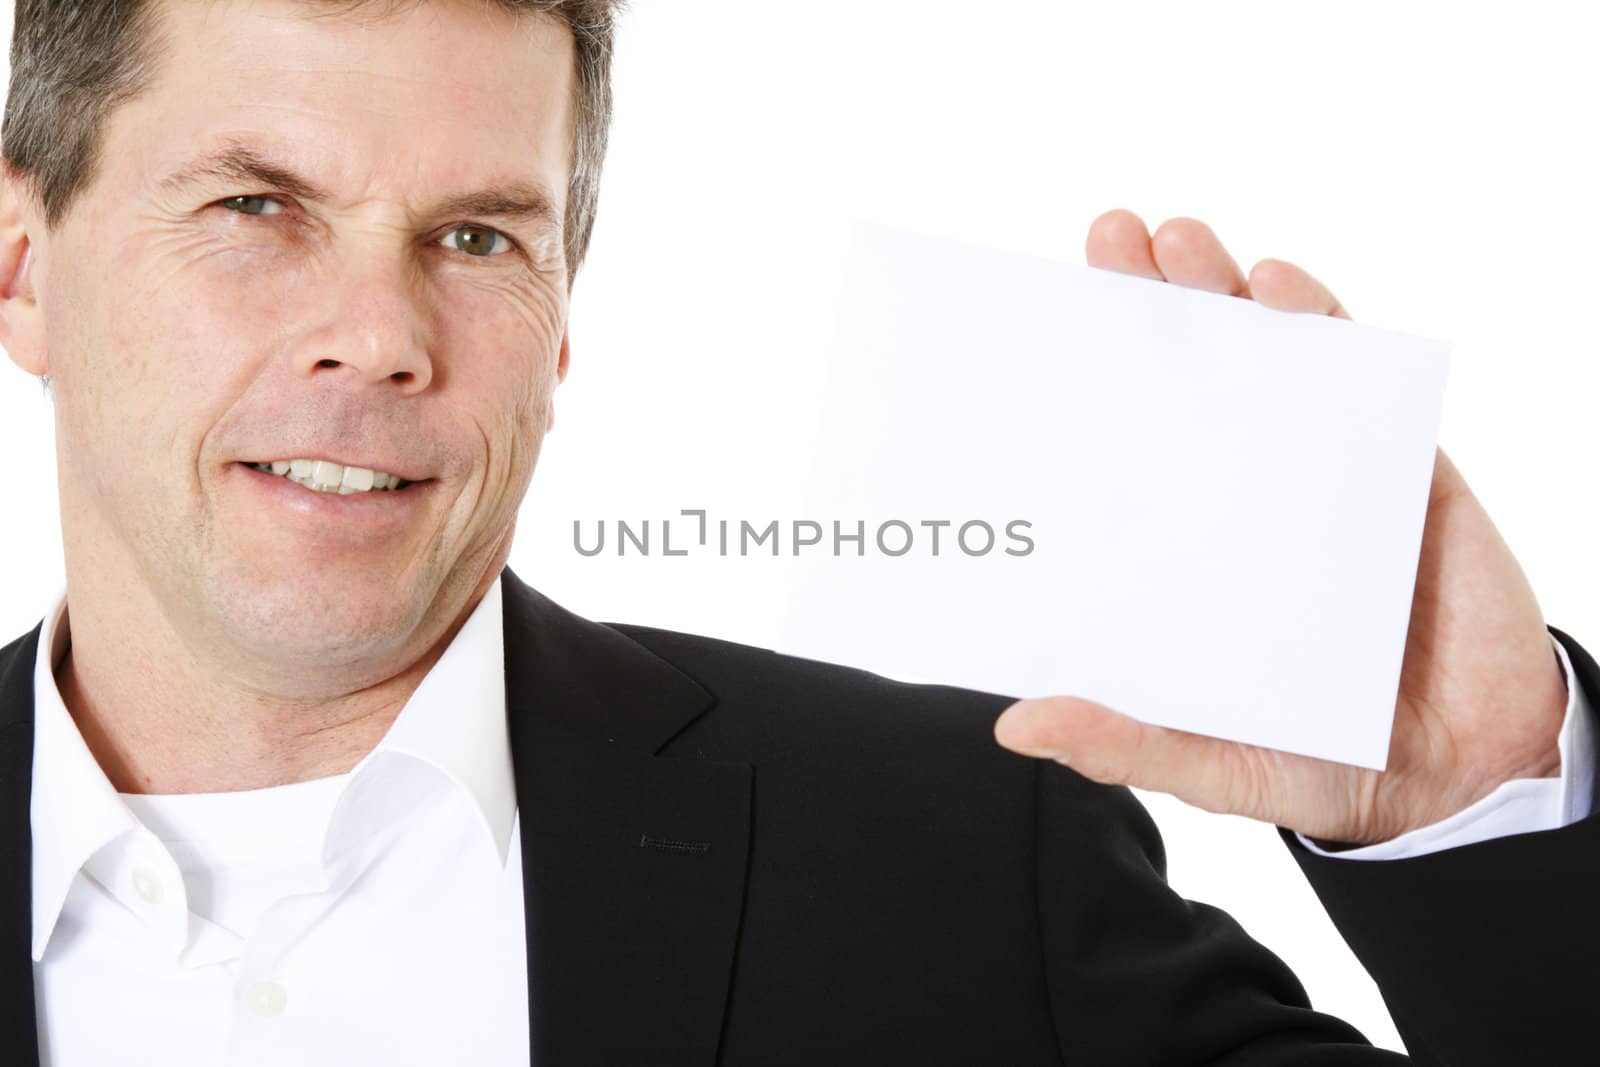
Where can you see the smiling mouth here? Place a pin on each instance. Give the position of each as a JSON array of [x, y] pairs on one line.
[[323, 476]]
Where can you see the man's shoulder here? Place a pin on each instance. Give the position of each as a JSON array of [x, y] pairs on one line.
[[814, 732], [733, 670], [771, 698]]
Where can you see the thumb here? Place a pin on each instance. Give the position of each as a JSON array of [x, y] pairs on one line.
[[1112, 748]]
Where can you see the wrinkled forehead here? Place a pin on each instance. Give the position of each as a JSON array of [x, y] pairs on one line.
[[431, 95]]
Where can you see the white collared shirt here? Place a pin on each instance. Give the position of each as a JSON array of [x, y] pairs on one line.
[[370, 917]]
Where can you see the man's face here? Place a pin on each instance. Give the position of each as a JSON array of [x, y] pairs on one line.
[[197, 326]]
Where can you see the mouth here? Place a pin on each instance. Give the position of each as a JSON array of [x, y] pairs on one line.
[[325, 476]]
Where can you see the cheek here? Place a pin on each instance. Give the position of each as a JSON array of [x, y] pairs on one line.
[[219, 308], [502, 342], [149, 358], [185, 310], [501, 349]]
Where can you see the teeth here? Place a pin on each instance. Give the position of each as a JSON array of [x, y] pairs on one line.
[[356, 479], [324, 476]]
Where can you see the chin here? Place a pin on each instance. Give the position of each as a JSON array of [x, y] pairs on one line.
[[318, 622]]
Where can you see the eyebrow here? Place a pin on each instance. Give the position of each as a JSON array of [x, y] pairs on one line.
[[517, 202]]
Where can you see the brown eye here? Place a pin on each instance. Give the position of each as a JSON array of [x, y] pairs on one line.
[[477, 240]]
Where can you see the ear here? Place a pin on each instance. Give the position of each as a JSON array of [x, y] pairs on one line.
[[21, 321], [561, 375]]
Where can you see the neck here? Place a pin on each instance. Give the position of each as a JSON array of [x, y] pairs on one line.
[[157, 722], [194, 738]]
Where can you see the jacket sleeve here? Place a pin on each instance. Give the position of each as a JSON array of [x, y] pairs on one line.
[[1488, 953], [1139, 976]]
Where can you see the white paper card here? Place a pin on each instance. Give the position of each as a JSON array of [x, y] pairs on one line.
[[1224, 503]]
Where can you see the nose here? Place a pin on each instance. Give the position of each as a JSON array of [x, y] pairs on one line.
[[374, 331]]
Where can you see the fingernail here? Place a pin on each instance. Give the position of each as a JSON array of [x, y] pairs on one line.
[[1064, 761]]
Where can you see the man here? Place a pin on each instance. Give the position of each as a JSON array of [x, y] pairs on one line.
[[297, 773]]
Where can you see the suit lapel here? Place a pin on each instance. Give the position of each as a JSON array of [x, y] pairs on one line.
[[19, 1028], [633, 863]]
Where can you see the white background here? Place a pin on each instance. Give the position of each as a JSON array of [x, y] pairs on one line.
[[1431, 162]]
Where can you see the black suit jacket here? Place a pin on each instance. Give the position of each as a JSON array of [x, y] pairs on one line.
[[737, 857]]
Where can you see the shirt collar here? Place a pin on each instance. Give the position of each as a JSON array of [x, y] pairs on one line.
[[75, 811], [455, 722]]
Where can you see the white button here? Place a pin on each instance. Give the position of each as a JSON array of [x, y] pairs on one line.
[[265, 999], [148, 883]]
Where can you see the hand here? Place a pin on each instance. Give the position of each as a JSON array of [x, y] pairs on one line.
[[1482, 695]]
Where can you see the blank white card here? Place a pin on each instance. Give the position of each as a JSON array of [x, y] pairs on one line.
[[1037, 478]]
